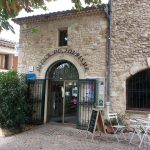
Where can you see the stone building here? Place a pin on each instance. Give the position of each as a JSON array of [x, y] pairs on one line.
[[130, 78], [68, 54], [8, 60], [60, 49]]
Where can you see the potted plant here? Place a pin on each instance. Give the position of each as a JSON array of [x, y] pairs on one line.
[[112, 122], [109, 124], [13, 102]]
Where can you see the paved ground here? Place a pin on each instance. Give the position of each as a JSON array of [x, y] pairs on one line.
[[58, 137]]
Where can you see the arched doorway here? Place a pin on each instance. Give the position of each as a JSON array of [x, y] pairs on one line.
[[62, 92], [138, 91]]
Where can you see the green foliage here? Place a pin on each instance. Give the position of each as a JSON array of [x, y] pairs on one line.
[[113, 121], [78, 4], [120, 119], [34, 30], [10, 8], [13, 105]]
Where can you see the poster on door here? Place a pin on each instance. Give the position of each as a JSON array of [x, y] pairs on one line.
[[90, 92], [101, 90]]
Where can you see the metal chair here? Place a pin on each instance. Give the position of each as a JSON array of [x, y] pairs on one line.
[[145, 125], [116, 128], [136, 126]]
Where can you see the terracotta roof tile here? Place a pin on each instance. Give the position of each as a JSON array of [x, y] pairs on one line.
[[7, 43], [60, 14]]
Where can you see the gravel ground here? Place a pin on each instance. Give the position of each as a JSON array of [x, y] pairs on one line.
[[63, 137]]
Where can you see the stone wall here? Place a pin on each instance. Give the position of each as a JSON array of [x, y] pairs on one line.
[[87, 35], [130, 45]]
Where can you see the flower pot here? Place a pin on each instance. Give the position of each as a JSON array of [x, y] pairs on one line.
[[109, 129]]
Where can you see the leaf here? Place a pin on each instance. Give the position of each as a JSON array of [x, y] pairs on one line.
[[11, 8], [34, 30], [1, 3], [13, 103]]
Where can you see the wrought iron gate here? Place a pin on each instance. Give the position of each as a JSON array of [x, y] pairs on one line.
[[36, 96], [86, 101]]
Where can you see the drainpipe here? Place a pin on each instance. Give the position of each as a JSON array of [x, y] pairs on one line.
[[109, 16]]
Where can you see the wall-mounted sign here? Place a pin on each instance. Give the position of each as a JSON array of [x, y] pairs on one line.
[[30, 76], [30, 68], [63, 51], [101, 91]]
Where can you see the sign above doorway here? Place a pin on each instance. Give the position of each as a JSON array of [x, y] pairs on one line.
[[63, 51]]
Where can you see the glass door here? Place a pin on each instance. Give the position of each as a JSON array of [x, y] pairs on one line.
[[62, 91], [62, 106], [70, 102], [55, 105]]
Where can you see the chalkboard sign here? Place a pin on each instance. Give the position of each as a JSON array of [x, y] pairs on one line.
[[96, 120], [93, 121]]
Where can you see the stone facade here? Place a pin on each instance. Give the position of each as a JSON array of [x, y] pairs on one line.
[[86, 49], [87, 35], [130, 46]]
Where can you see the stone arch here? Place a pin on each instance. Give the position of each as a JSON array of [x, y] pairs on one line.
[[70, 72], [122, 78], [135, 68], [58, 57]]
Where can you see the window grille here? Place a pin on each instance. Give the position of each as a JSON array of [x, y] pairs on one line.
[[138, 91], [36, 99], [64, 70]]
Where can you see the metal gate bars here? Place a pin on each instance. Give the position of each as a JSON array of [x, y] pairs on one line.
[[85, 103], [36, 96]]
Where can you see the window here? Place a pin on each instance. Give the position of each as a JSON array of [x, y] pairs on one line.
[[64, 70], [63, 37], [3, 61], [138, 91]]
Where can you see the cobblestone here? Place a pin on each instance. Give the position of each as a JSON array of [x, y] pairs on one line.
[[63, 137]]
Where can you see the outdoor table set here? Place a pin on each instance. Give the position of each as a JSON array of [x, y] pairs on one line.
[[141, 129], [140, 126]]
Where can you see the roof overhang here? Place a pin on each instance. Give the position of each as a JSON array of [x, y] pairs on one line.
[[61, 15]]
